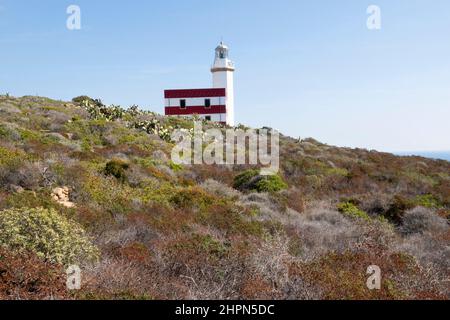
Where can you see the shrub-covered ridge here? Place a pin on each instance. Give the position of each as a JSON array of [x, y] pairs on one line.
[[143, 227]]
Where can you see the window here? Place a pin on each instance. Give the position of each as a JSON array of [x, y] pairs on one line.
[[208, 118], [183, 104], [207, 103]]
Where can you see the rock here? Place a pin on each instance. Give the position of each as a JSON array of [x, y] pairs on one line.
[[68, 204], [61, 195]]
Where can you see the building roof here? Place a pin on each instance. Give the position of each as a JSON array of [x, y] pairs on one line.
[[195, 93]]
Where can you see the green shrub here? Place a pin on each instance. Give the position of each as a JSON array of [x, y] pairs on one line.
[[252, 180], [11, 158], [272, 183], [90, 132], [205, 244], [192, 197], [8, 133], [45, 233], [351, 210], [117, 168], [398, 208], [111, 195], [232, 220], [428, 201], [242, 179], [28, 135], [175, 167], [29, 199], [3, 132], [154, 192], [80, 99]]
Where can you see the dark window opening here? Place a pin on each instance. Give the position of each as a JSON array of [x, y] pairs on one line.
[[207, 103], [208, 118], [183, 104]]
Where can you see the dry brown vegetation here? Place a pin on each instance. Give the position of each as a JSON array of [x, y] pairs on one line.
[[171, 232]]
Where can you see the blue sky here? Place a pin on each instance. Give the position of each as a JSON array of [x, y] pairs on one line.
[[308, 68]]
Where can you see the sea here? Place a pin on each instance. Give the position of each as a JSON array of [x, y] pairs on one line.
[[440, 155]]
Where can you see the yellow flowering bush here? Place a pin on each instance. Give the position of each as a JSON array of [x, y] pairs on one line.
[[46, 233], [10, 158]]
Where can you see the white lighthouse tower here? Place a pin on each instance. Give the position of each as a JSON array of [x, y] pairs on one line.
[[223, 77]]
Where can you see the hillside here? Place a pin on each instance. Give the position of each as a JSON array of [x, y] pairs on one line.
[[86, 184]]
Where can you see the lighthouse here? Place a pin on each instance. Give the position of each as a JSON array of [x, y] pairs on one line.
[[214, 104], [223, 77]]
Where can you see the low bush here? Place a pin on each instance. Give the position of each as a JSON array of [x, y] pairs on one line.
[[428, 201], [117, 168], [47, 234], [251, 180], [231, 221], [295, 200], [192, 197], [27, 175], [10, 157], [170, 232], [420, 220], [204, 245], [27, 277], [219, 189], [29, 199], [398, 208], [433, 254], [80, 99], [8, 132], [17, 169], [243, 180], [272, 183], [320, 230], [351, 210], [343, 276]]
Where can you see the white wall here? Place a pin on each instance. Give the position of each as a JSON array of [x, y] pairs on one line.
[[193, 102], [225, 79], [218, 117]]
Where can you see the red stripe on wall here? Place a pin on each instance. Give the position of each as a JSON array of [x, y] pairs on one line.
[[172, 111], [194, 93]]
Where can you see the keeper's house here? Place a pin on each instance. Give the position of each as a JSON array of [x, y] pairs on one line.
[[209, 104], [215, 104]]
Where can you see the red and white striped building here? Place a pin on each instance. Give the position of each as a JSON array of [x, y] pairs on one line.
[[215, 104], [209, 104]]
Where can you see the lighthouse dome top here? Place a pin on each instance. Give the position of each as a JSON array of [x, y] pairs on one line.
[[222, 46], [222, 51], [222, 61]]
